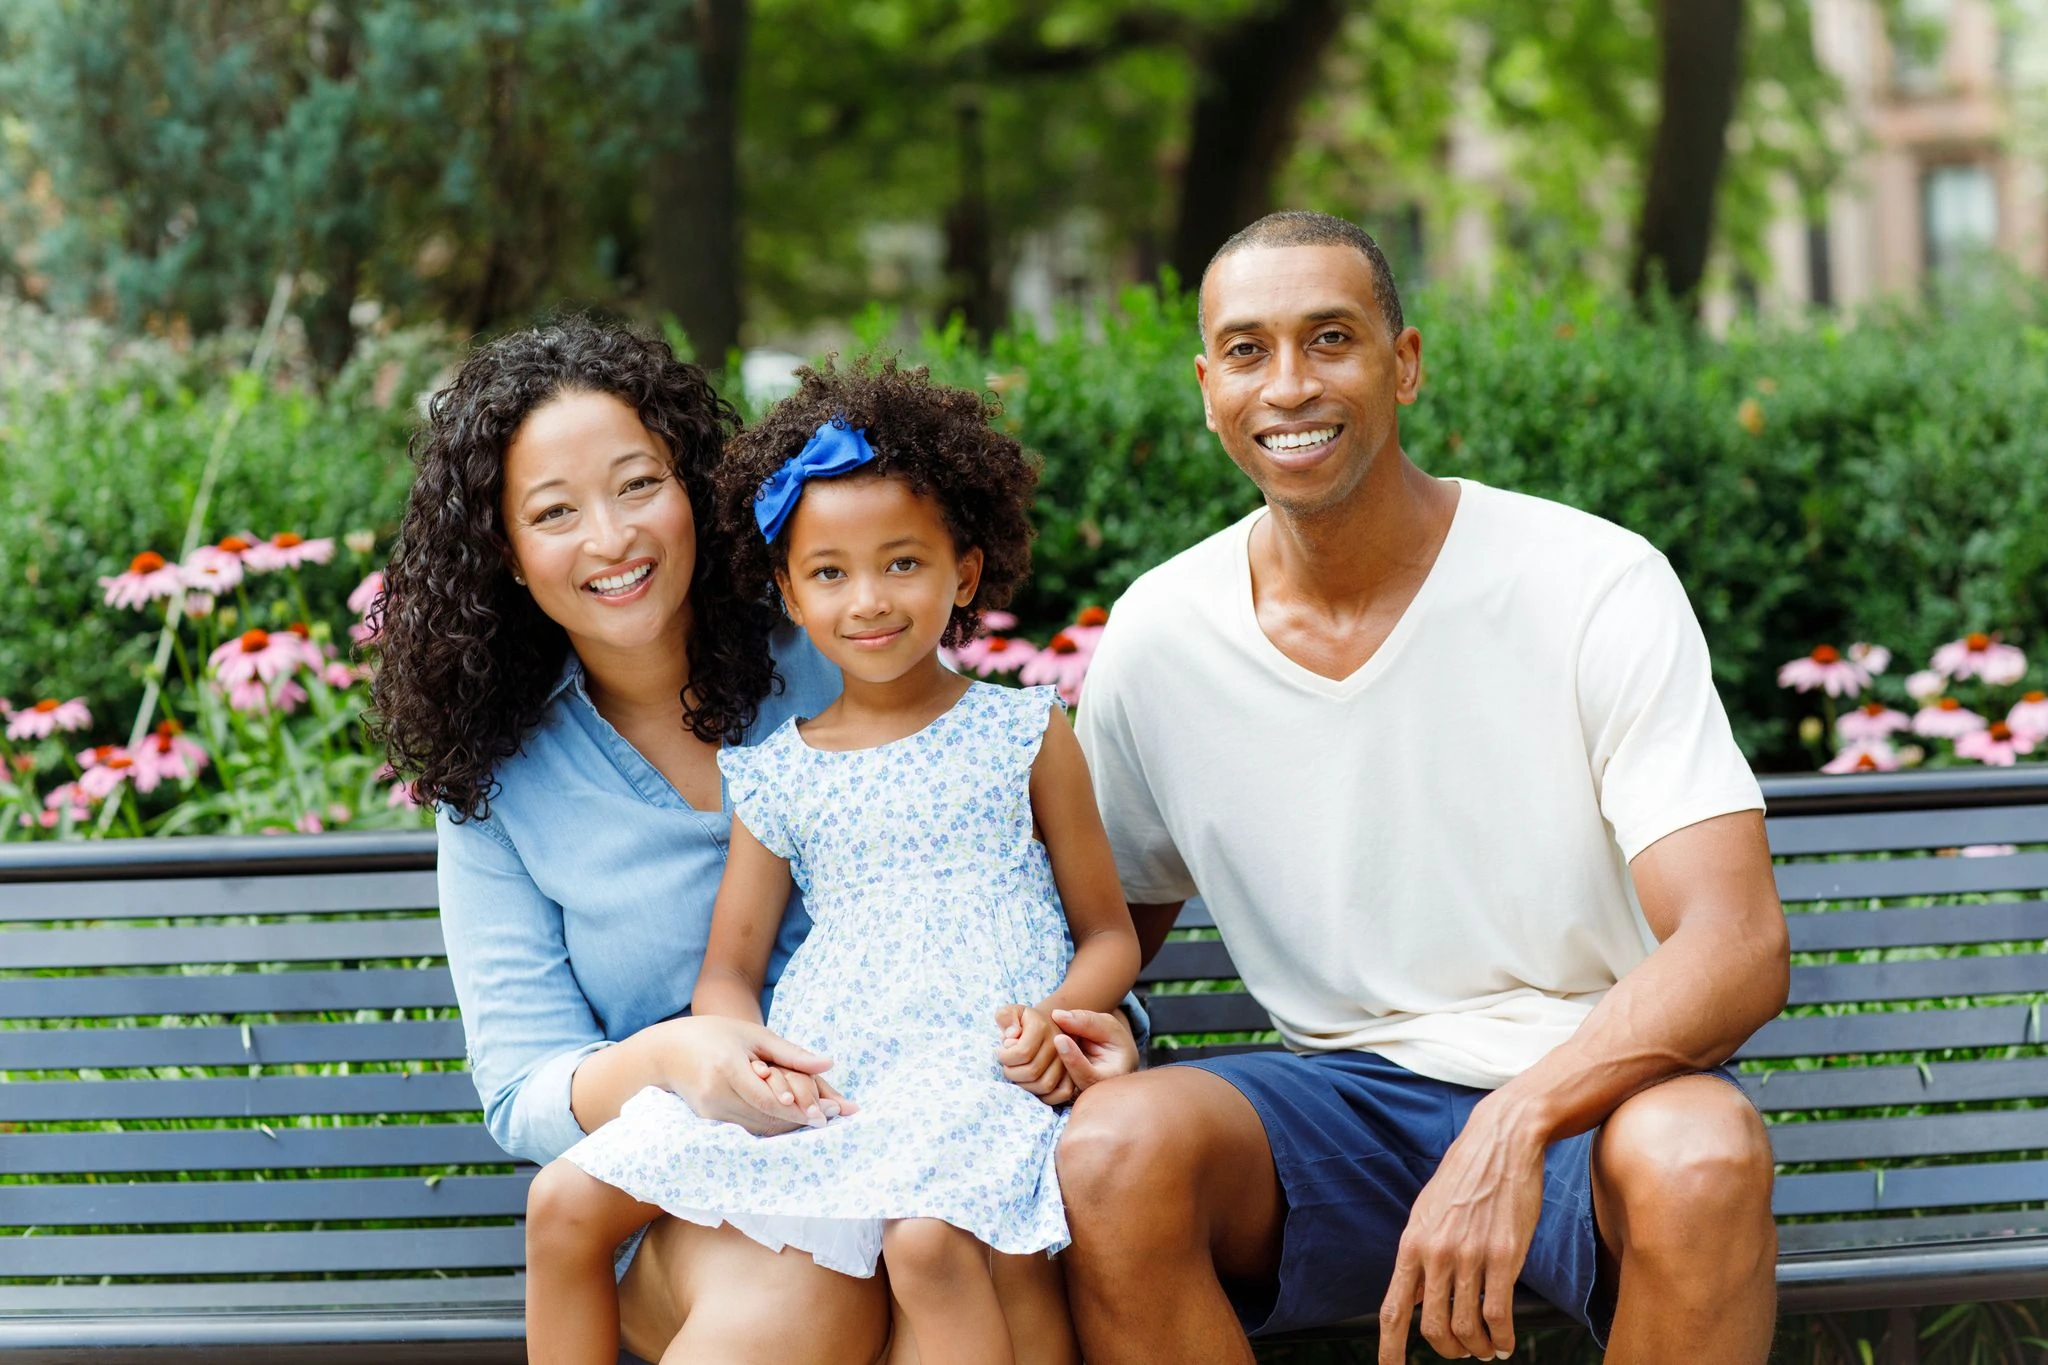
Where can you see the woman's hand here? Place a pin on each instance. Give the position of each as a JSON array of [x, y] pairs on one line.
[[1094, 1046], [741, 1073]]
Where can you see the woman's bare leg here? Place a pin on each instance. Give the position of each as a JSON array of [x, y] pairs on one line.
[[945, 1294], [574, 1224], [716, 1296]]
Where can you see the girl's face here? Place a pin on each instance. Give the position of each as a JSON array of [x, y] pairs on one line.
[[873, 575], [599, 524]]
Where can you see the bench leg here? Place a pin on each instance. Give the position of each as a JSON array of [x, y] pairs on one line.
[[1901, 1338]]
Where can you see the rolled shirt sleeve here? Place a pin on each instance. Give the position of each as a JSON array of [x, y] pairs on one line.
[[526, 1021]]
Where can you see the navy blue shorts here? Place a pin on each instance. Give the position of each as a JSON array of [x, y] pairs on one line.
[[1354, 1140]]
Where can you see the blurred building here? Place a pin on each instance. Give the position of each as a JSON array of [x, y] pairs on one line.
[[1948, 169]]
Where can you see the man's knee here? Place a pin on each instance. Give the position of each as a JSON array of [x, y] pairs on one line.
[[1127, 1140], [1689, 1162]]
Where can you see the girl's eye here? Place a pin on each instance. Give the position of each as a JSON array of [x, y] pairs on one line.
[[903, 564], [828, 574]]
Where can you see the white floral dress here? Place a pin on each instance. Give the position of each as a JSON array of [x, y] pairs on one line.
[[932, 905]]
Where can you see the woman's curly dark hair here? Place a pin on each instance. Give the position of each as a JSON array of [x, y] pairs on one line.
[[468, 658], [941, 440]]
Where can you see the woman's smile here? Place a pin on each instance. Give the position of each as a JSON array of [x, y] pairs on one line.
[[626, 583]]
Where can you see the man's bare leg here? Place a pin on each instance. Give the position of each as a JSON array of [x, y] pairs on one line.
[[1169, 1183], [1682, 1195]]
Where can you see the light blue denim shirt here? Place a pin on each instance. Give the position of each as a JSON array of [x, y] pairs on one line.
[[577, 912]]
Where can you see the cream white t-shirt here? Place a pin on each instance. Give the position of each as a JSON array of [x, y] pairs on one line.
[[1427, 859]]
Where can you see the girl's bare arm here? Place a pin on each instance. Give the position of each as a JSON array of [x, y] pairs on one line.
[[744, 922], [1105, 942]]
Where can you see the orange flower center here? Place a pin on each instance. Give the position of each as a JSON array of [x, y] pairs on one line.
[[1063, 644], [300, 629], [2035, 698], [46, 705], [1826, 654], [1977, 642], [1865, 763], [119, 761], [235, 545], [1092, 616], [149, 561], [1872, 708], [1948, 704], [2000, 731], [285, 540], [162, 743], [997, 644], [169, 728], [255, 641]]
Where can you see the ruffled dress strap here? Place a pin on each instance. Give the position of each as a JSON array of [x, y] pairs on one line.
[[758, 786]]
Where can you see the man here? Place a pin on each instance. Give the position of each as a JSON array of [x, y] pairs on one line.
[[1447, 765]]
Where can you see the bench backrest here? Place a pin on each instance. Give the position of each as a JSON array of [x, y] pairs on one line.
[[1906, 1082], [240, 1058]]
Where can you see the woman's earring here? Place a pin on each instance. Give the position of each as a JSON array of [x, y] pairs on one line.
[[520, 581]]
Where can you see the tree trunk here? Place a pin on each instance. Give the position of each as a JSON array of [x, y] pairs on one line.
[[330, 334], [693, 264], [970, 245], [1701, 69], [1253, 77]]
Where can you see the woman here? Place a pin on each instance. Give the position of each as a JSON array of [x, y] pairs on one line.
[[564, 651]]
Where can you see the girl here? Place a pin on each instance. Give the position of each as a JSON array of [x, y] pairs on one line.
[[938, 829]]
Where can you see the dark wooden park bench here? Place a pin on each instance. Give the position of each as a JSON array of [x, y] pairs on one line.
[[1907, 1092], [234, 1123]]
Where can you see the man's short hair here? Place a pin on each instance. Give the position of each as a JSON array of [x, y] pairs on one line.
[[1304, 227]]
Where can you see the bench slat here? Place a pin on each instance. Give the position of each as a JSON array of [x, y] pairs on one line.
[[269, 1201], [368, 1146], [1794, 836], [1891, 878], [1915, 1187], [1934, 926], [212, 1295], [211, 897], [2002, 1130], [428, 1092], [319, 941], [268, 1044], [1929, 979], [1205, 961], [1215, 1012], [230, 993], [264, 1253], [1893, 1031], [1871, 1087], [1796, 1239]]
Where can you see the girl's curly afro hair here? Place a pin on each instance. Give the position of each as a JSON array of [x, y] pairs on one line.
[[468, 659], [941, 440]]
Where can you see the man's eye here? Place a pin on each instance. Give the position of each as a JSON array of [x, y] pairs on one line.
[[1242, 349], [1332, 338]]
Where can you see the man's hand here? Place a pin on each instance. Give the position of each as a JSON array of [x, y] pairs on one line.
[[1465, 1242], [1095, 1045], [1027, 1054]]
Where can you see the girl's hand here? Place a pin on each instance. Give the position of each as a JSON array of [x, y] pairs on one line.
[[1028, 1056], [819, 1102], [1094, 1046], [709, 1062]]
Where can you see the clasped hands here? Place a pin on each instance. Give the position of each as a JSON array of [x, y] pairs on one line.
[[767, 1084]]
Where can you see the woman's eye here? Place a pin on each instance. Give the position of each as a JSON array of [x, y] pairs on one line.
[[641, 484], [554, 513]]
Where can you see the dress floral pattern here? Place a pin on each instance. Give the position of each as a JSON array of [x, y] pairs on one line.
[[932, 905]]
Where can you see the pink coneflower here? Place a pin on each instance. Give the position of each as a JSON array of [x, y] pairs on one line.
[[996, 622], [1826, 669], [1063, 662], [1980, 656], [286, 550], [367, 602], [402, 794], [258, 654], [1872, 659], [166, 754], [339, 676], [1926, 685], [253, 694], [106, 768], [1872, 720], [308, 823], [1998, 744], [991, 654], [1863, 756], [70, 799], [1946, 718], [148, 578], [214, 569], [47, 717], [2029, 715]]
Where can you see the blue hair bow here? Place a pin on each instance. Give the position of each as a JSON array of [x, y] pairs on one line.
[[834, 449]]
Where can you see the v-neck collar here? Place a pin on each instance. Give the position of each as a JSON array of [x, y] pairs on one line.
[[1383, 658]]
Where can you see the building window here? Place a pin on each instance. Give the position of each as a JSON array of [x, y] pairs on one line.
[[1820, 267], [1959, 220]]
